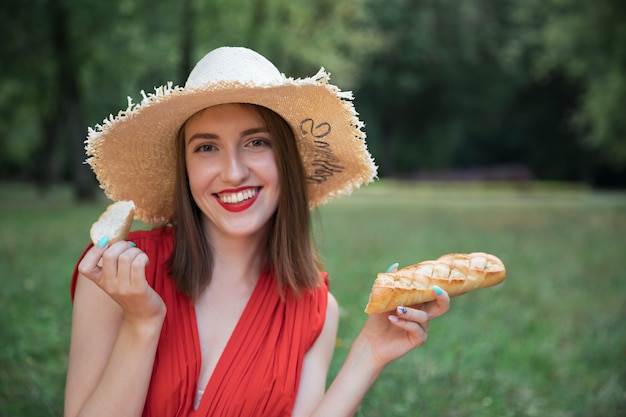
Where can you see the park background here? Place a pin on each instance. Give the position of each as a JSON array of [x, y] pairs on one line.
[[498, 125]]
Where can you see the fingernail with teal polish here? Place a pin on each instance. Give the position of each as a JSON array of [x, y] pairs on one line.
[[392, 267], [103, 242], [133, 244], [438, 290]]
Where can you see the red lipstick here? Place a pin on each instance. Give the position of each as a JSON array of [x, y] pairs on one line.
[[239, 199]]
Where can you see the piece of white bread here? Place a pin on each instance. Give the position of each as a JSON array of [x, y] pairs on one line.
[[455, 273], [115, 222]]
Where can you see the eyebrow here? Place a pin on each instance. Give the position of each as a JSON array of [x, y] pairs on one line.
[[246, 132]]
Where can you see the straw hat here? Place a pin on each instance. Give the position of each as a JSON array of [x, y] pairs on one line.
[[133, 153]]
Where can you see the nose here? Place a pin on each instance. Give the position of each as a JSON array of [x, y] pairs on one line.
[[234, 168]]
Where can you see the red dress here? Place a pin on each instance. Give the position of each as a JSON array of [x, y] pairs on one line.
[[259, 371]]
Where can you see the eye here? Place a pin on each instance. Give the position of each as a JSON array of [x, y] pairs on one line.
[[207, 147], [259, 143]]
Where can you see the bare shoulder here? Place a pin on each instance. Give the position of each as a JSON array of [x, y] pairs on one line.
[[316, 363], [332, 309], [326, 340]]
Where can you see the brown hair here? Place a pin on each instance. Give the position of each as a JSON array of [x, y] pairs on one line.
[[290, 254]]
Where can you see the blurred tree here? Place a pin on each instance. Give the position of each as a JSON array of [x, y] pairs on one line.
[[67, 63], [57, 57], [67, 106], [440, 83], [444, 77], [484, 82], [585, 41], [296, 35], [27, 90]]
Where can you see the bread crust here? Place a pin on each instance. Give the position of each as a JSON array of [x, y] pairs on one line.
[[115, 222], [455, 273]]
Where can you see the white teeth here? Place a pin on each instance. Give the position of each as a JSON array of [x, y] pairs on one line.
[[239, 197]]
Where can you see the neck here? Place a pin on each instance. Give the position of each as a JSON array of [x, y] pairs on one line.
[[237, 260]]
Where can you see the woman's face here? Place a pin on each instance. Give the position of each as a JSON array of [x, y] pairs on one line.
[[232, 169]]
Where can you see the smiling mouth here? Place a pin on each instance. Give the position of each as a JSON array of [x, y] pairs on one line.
[[238, 197]]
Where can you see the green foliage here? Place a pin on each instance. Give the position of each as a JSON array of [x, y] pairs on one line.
[[297, 35], [440, 83], [494, 82], [585, 41], [447, 77], [119, 48], [27, 82]]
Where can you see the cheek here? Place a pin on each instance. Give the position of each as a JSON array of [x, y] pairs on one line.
[[269, 170], [272, 179], [193, 182], [198, 175], [272, 175]]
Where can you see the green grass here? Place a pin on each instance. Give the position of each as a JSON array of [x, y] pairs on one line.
[[549, 341]]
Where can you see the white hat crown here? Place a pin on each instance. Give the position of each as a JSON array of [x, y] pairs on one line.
[[234, 64]]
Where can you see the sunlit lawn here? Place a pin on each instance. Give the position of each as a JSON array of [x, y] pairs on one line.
[[550, 341]]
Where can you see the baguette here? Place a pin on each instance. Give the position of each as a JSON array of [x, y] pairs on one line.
[[115, 222], [455, 273]]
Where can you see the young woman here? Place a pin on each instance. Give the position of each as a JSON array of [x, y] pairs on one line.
[[223, 309]]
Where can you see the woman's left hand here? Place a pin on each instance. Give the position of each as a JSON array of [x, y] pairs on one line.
[[384, 338], [391, 335]]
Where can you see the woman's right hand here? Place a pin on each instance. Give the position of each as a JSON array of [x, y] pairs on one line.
[[116, 325], [120, 271]]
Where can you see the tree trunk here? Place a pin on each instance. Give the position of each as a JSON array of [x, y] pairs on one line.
[[70, 104], [389, 146], [44, 155]]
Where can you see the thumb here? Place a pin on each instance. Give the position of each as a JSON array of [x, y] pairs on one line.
[[392, 268], [90, 266]]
